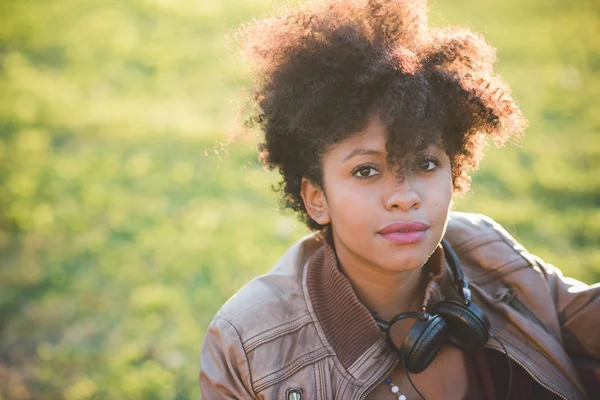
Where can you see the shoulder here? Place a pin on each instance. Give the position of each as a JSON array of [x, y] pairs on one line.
[[472, 230], [267, 326], [483, 244], [273, 299]]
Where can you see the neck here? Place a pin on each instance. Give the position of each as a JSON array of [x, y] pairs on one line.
[[387, 293]]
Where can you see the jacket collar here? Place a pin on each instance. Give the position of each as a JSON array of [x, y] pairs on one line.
[[347, 323]]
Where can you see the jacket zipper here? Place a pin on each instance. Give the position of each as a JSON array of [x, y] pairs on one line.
[[513, 301], [493, 346], [510, 298], [373, 386], [497, 347]]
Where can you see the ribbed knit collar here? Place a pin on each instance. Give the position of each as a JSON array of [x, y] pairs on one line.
[[347, 323]]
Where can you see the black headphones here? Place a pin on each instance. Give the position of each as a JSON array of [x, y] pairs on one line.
[[456, 321]]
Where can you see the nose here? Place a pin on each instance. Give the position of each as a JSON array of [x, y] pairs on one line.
[[402, 196]]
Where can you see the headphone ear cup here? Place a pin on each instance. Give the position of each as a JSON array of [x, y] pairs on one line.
[[423, 343], [468, 325]]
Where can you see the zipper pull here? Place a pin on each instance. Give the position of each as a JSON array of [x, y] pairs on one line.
[[505, 295]]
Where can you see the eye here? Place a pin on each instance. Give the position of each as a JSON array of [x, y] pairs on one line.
[[365, 171], [428, 164]]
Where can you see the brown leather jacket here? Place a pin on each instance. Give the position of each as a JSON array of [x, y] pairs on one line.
[[300, 328]]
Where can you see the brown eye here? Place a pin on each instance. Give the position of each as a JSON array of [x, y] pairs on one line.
[[428, 165], [365, 171]]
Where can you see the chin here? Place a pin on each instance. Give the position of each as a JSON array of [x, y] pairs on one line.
[[412, 256]]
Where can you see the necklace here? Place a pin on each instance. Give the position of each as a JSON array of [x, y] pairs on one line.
[[395, 389]]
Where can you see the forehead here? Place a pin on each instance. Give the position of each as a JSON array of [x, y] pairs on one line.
[[372, 139], [373, 136]]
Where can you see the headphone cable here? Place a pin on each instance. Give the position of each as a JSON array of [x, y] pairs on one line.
[[411, 382]]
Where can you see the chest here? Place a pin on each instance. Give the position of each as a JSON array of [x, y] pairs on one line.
[[447, 378]]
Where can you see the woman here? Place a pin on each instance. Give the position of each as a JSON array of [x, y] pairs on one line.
[[374, 121]]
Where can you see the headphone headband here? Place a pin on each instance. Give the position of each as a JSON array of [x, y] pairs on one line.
[[462, 284]]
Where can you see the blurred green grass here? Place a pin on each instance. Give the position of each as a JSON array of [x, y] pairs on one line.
[[127, 218]]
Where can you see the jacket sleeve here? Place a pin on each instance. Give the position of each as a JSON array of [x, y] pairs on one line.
[[578, 307], [224, 370]]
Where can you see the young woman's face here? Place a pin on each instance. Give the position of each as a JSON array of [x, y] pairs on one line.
[[378, 218]]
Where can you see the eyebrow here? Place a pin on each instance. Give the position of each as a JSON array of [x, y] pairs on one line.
[[361, 152]]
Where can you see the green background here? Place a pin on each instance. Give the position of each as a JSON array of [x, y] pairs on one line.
[[128, 215]]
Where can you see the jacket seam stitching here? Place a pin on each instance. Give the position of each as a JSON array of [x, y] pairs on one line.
[[499, 237], [289, 369], [323, 380], [344, 388], [271, 333], [249, 307], [542, 374], [259, 303], [564, 328], [476, 242], [365, 359], [245, 354], [380, 371], [497, 273], [316, 380], [346, 377]]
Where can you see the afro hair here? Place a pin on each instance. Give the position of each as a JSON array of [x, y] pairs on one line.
[[323, 69]]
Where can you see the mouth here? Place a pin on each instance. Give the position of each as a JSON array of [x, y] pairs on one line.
[[404, 232]]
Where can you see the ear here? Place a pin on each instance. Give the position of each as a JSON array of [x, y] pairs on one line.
[[315, 202]]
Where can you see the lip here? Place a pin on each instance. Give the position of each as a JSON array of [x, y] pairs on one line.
[[404, 232]]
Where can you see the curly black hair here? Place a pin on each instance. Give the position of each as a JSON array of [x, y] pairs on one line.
[[322, 70]]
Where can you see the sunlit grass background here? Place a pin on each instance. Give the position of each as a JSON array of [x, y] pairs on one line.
[[126, 219]]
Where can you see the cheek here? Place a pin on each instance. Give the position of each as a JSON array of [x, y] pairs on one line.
[[349, 205], [443, 194], [444, 189], [437, 193]]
